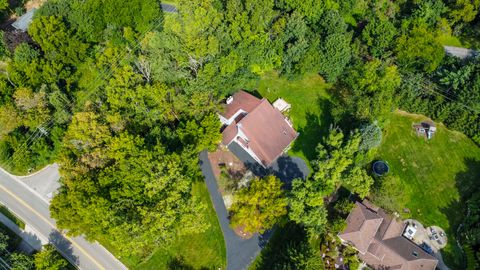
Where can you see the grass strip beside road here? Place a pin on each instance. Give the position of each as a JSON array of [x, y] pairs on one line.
[[4, 210]]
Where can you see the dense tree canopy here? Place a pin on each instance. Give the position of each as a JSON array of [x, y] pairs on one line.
[[49, 259], [258, 207], [418, 48], [371, 89], [124, 97], [335, 166], [10, 255]]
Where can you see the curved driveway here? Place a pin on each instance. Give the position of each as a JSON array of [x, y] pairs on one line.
[[34, 211], [240, 252]]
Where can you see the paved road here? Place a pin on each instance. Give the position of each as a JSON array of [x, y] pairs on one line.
[[240, 252], [33, 210], [169, 8], [44, 182], [460, 52]]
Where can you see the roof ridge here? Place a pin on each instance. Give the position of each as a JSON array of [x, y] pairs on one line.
[[383, 242], [262, 101]]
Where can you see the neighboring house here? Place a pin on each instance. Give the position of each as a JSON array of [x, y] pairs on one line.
[[380, 242], [259, 128], [24, 21]]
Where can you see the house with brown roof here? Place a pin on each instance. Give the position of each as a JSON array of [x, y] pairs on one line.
[[255, 125], [379, 240]]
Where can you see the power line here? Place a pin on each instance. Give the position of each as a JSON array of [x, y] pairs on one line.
[[103, 75], [435, 89]]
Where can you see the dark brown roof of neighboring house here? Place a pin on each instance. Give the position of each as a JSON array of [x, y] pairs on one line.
[[241, 101], [362, 227], [385, 248], [268, 132]]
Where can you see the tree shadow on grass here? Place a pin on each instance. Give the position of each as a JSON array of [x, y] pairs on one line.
[[456, 211], [178, 263], [276, 255], [315, 129]]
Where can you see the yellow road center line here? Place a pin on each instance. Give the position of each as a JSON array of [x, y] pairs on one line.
[[49, 223]]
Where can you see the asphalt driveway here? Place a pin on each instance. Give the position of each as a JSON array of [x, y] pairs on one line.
[[44, 182], [240, 252], [286, 168]]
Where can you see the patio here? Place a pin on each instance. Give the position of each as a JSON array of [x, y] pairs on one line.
[[434, 237]]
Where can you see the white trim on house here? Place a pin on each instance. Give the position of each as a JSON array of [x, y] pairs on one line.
[[248, 150], [223, 119], [241, 134], [228, 121]]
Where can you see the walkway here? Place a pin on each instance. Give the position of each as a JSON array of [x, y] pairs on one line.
[[240, 252], [30, 241]]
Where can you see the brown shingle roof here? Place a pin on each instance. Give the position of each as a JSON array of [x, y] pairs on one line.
[[362, 227], [229, 133], [268, 132], [387, 248], [241, 101]]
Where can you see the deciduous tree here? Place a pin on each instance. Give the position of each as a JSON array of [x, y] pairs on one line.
[[49, 259], [259, 206], [20, 261], [418, 48], [371, 89]]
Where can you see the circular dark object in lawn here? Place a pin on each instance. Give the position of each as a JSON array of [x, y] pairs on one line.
[[380, 168]]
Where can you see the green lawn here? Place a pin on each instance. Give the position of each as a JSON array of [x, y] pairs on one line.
[[310, 112], [198, 251], [437, 173]]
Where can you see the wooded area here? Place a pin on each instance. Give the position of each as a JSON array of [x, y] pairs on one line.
[[125, 97]]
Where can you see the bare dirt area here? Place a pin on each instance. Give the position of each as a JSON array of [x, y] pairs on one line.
[[14, 38], [240, 232], [224, 158], [34, 4]]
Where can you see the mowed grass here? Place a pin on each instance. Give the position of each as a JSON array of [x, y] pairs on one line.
[[310, 111], [198, 251], [437, 172]]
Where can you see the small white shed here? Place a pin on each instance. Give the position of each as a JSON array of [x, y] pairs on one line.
[[281, 105]]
